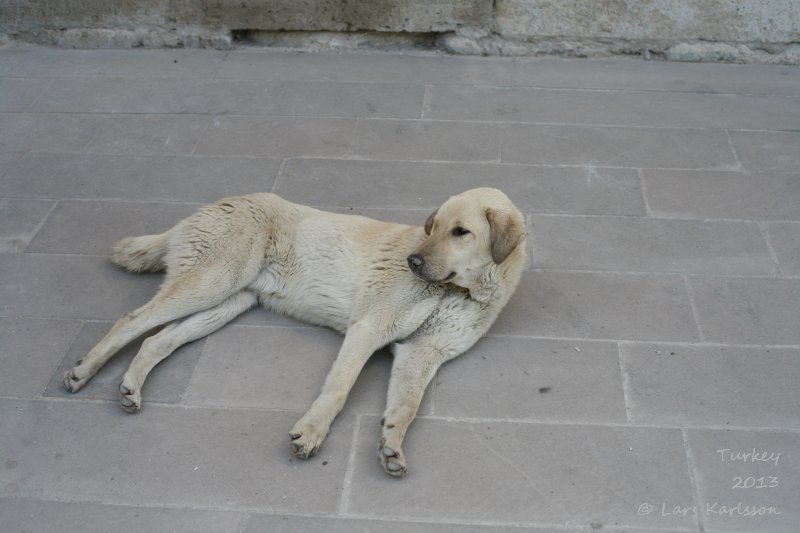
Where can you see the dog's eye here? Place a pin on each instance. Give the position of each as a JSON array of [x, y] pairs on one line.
[[458, 231]]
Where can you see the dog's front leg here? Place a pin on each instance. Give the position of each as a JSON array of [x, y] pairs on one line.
[[414, 366], [363, 338]]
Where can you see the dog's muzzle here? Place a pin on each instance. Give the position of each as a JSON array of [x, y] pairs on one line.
[[417, 265]]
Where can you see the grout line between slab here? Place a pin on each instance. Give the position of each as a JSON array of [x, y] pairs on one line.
[[695, 313], [693, 480], [41, 224], [250, 511], [350, 468], [425, 103], [280, 174], [588, 340], [202, 134], [733, 149], [442, 418], [777, 271], [625, 385], [38, 96], [20, 155], [212, 114], [643, 189]]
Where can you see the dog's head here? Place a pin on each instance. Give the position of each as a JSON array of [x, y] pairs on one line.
[[466, 235]]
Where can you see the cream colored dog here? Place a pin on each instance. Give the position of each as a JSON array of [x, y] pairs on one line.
[[429, 293]]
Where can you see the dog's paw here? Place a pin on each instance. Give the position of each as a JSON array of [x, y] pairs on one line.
[[306, 440], [130, 397], [76, 377], [392, 459]]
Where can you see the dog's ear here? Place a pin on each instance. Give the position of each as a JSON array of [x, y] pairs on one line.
[[506, 233], [429, 222]]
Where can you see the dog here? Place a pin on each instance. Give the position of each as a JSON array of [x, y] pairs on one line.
[[428, 292]]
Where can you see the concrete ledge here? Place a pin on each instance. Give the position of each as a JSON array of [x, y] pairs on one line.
[[746, 31]]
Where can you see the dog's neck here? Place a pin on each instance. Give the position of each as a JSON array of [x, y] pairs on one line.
[[496, 282], [485, 284]]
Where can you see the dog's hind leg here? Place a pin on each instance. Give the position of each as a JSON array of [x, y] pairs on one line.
[[158, 347], [186, 294]]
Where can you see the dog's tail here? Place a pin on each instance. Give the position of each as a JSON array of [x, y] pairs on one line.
[[141, 254]]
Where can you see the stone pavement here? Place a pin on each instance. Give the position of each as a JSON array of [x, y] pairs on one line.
[[644, 377]]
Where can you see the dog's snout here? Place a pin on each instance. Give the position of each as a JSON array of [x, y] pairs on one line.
[[415, 261]]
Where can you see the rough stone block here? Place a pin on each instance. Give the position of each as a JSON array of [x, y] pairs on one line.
[[336, 15], [670, 20]]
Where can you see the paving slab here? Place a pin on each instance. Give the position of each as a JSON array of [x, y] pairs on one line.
[[768, 151], [166, 456], [635, 74], [30, 349], [598, 305], [148, 134], [19, 221], [32, 285], [16, 94], [400, 184], [659, 306], [91, 227], [47, 62], [243, 97], [525, 473], [735, 195], [366, 67], [748, 310], [131, 177], [421, 140], [277, 137], [785, 241], [679, 384], [617, 108], [22, 515], [651, 245], [533, 379], [290, 524], [614, 146], [167, 383], [53, 132], [282, 368], [746, 480]]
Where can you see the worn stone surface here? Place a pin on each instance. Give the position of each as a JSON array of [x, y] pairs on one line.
[[655, 324]]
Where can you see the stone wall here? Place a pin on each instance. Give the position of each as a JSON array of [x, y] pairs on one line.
[[765, 31]]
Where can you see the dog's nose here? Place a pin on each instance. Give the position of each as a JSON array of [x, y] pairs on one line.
[[415, 261]]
